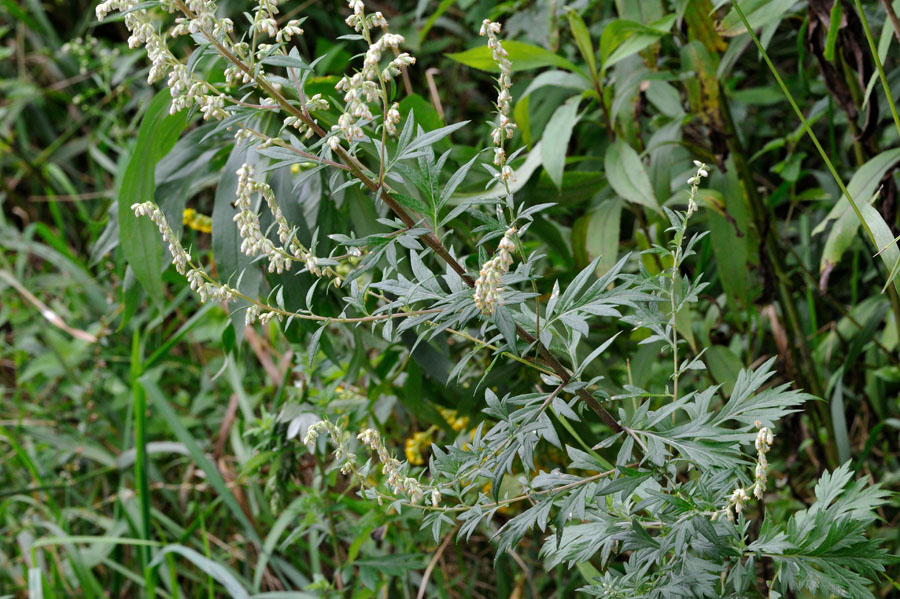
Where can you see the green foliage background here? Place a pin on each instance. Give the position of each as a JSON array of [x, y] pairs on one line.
[[137, 416]]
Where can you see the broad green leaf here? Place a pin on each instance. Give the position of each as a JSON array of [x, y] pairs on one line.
[[589, 572], [621, 38], [841, 236], [577, 187], [862, 188], [139, 237], [729, 245], [759, 14], [596, 234], [583, 40], [556, 139], [523, 119], [884, 238], [557, 78], [628, 177], [732, 237], [701, 81], [724, 366], [425, 114], [524, 57], [862, 185], [641, 12], [665, 97]]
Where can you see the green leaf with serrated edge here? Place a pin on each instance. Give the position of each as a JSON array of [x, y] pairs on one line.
[[139, 237], [557, 78]]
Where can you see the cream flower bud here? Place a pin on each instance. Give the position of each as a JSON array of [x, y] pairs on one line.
[[487, 287], [738, 498]]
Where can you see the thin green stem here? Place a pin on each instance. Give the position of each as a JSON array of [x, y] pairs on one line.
[[805, 123], [140, 461], [881, 75]]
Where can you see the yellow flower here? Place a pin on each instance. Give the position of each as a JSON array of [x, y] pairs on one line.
[[416, 445], [196, 221], [457, 423]]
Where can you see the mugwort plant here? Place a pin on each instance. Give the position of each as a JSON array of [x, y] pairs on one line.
[[667, 497]]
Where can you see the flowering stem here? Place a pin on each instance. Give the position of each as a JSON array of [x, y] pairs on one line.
[[280, 143], [429, 238]]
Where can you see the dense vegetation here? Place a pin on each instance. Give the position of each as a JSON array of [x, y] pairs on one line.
[[385, 299]]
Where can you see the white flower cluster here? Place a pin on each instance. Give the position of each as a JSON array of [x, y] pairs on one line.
[[186, 89], [203, 19], [694, 182], [258, 312], [364, 87], [264, 19], [179, 256], [290, 29], [390, 466], [737, 501], [764, 439], [83, 49], [504, 127], [392, 119], [316, 102], [182, 260], [209, 291], [253, 242], [234, 74], [488, 285], [358, 92], [339, 438]]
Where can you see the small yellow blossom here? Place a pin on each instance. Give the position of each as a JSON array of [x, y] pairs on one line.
[[196, 221], [456, 422], [416, 445]]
